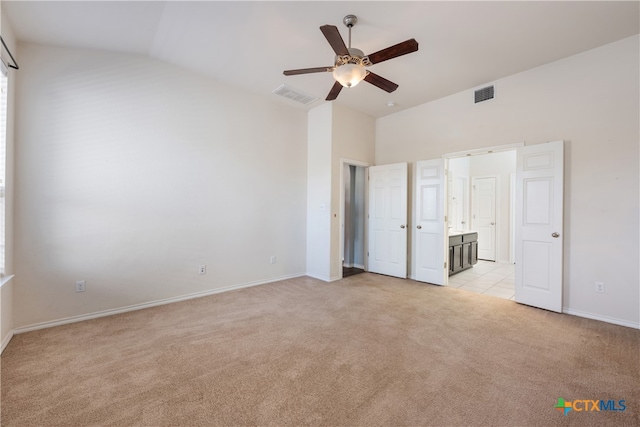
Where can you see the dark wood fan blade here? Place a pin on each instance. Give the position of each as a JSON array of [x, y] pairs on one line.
[[307, 71], [394, 51], [335, 91], [381, 82], [334, 38]]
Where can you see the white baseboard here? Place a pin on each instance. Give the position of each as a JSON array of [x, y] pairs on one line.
[[155, 303], [601, 318], [316, 276], [324, 279], [111, 312], [5, 341]]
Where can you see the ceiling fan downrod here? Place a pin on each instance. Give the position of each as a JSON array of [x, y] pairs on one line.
[[350, 21]]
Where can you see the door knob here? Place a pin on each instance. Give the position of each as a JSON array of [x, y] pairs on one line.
[[419, 227], [402, 226], [493, 223], [555, 235]]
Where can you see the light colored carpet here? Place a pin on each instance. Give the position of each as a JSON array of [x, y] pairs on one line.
[[367, 350]]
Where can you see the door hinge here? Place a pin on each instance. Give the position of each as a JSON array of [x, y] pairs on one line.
[[445, 265], [445, 218], [367, 253]]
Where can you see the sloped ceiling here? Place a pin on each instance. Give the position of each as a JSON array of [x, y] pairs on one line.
[[462, 45]]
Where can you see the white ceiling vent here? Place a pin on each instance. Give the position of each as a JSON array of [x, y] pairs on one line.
[[295, 95], [484, 94]]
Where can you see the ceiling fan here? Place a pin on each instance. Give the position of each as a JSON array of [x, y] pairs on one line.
[[350, 63]]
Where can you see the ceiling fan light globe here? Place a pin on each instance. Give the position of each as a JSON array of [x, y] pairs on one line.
[[349, 75]]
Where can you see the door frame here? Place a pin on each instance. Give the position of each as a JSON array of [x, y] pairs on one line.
[[512, 218], [357, 163], [486, 150], [478, 151]]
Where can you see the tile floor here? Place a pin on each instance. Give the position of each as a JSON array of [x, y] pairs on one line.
[[488, 278]]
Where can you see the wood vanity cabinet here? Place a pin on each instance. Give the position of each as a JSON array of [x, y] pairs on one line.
[[463, 252]]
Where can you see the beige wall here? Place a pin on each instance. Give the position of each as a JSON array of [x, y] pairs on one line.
[[132, 172], [588, 100], [319, 136], [335, 133], [353, 139]]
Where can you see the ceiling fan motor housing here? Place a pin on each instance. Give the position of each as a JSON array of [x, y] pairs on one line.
[[356, 56]]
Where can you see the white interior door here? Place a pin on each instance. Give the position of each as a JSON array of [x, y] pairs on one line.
[[461, 199], [430, 225], [388, 219], [484, 216], [539, 232]]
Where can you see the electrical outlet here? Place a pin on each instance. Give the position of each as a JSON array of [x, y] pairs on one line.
[[202, 269], [600, 287], [272, 260], [81, 286]]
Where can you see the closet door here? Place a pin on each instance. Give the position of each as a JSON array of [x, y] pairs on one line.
[[388, 220]]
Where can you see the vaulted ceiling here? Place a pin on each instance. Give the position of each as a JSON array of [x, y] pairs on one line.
[[462, 45]]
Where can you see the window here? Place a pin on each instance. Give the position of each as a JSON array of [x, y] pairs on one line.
[[3, 144]]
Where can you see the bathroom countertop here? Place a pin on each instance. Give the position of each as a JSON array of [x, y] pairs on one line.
[[460, 232]]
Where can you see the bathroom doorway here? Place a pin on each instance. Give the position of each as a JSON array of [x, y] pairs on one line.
[[495, 277]]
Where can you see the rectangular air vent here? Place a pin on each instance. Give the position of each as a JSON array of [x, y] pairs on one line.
[[484, 94], [295, 95]]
